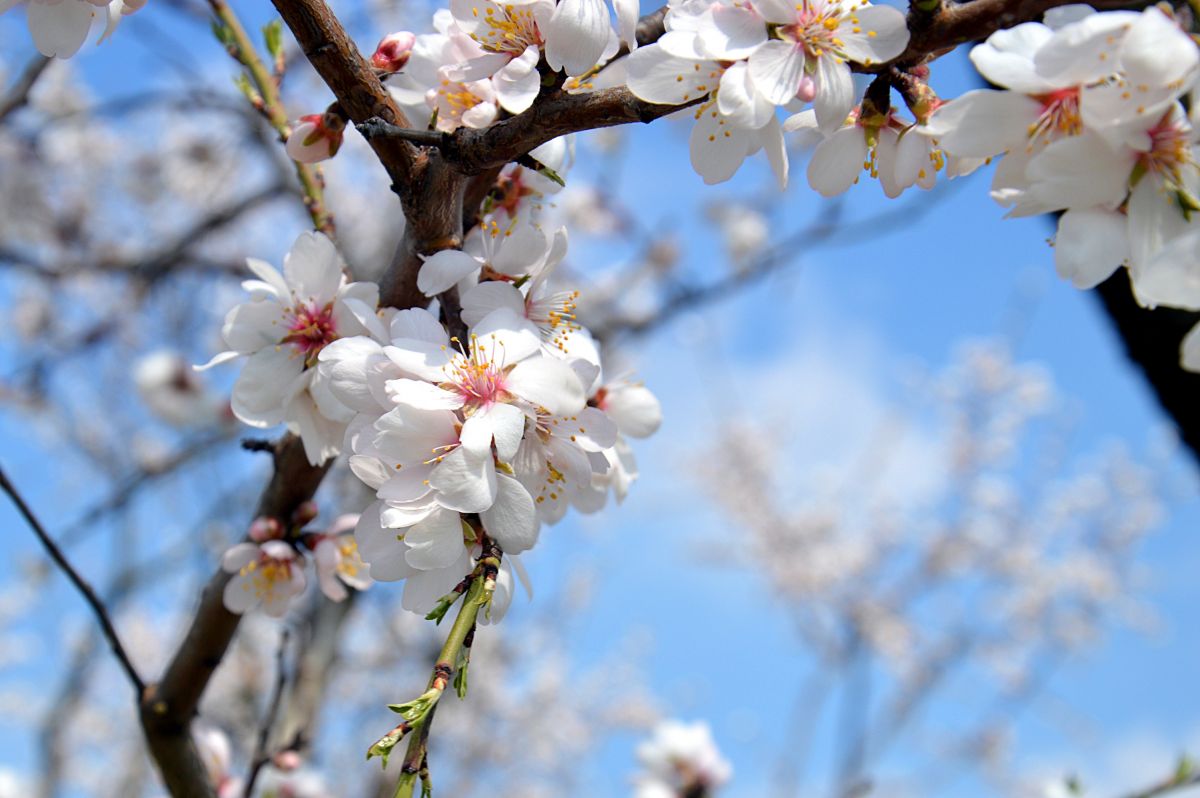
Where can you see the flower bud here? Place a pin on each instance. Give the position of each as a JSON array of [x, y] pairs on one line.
[[306, 512], [393, 51], [287, 760], [807, 90], [316, 137], [263, 529]]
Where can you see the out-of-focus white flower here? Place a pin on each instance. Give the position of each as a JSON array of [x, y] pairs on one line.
[[680, 759], [270, 574], [217, 755], [337, 560], [168, 385]]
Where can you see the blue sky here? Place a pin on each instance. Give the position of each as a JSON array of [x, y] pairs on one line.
[[863, 312]]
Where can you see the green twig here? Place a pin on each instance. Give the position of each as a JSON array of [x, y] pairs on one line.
[[419, 713], [264, 95]]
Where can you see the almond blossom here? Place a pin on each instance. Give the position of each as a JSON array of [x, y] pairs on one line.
[[337, 560], [289, 319], [731, 123], [815, 40], [269, 574]]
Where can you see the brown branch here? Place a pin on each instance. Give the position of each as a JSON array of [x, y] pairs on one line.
[[168, 707], [81, 584], [18, 95]]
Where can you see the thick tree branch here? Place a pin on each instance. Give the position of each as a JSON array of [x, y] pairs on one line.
[[1152, 339], [168, 707]]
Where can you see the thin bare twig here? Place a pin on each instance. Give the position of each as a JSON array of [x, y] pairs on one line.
[[81, 584], [261, 754]]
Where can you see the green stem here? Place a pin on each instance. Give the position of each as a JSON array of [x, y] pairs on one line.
[[272, 108], [479, 595]]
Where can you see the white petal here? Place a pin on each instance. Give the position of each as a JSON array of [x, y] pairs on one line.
[[547, 383], [878, 34], [503, 423], [1157, 51], [835, 94], [436, 542], [1091, 244], [984, 123], [264, 386], [576, 35], [313, 268], [512, 520], [1189, 350], [628, 12], [734, 33], [443, 269], [488, 296], [422, 395], [465, 482], [716, 146], [656, 76], [740, 101], [1006, 58], [253, 325], [837, 161], [59, 29], [1079, 172], [778, 69], [418, 324]]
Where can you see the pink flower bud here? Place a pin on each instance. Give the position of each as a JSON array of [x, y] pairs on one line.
[[393, 51], [263, 529], [807, 90], [306, 512], [316, 137], [287, 760]]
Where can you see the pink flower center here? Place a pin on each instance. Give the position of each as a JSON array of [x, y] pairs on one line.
[[509, 31], [311, 329], [1170, 151], [815, 30], [1059, 117], [478, 378]]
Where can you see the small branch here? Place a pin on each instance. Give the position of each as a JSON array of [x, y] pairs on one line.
[[18, 95], [80, 583], [242, 49], [376, 127], [479, 595], [261, 755], [1184, 777]]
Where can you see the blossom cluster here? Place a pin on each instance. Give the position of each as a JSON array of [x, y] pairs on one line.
[[1088, 121], [59, 27], [492, 433]]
